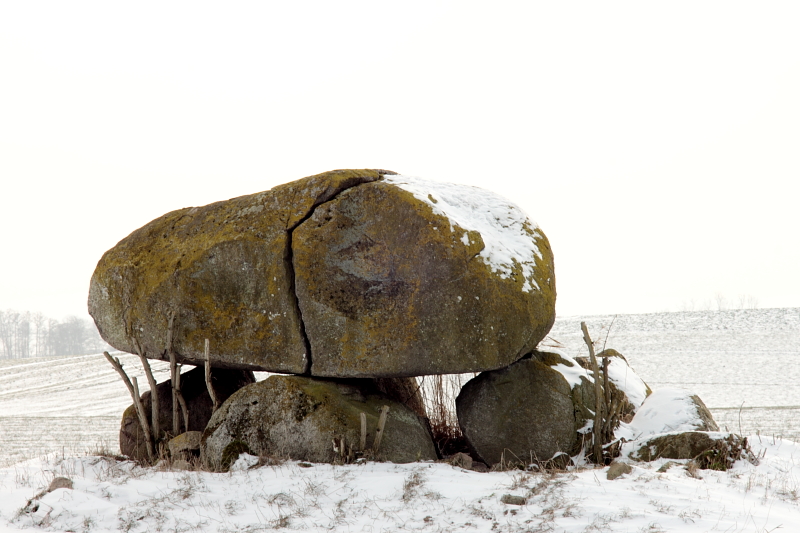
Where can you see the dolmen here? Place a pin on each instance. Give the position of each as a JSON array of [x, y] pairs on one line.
[[346, 286]]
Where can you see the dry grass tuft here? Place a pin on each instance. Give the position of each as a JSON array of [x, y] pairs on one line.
[[725, 453], [439, 395]]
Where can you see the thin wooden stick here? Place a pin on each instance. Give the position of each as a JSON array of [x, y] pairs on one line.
[[156, 428], [598, 399], [170, 324], [143, 420], [181, 401], [185, 411], [613, 414], [381, 424], [174, 377], [608, 331], [133, 388], [363, 431], [209, 386]]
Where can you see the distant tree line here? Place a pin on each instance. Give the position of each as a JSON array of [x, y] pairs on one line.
[[26, 334], [721, 303]]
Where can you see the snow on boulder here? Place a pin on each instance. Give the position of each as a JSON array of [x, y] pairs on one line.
[[350, 273], [621, 377], [406, 277], [669, 410], [673, 423]]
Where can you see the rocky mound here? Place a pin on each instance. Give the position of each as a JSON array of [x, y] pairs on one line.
[[353, 282]]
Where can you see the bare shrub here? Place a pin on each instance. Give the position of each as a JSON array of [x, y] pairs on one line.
[[724, 453]]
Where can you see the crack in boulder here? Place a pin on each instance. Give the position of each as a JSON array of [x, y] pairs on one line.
[[222, 270], [326, 197]]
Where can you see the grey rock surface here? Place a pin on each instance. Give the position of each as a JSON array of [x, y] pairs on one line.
[[224, 270], [307, 419], [185, 445], [616, 470], [520, 414], [716, 450], [388, 286]]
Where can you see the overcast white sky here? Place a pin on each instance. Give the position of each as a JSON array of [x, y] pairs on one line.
[[656, 144]]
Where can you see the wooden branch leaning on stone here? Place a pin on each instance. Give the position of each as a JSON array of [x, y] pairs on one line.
[[614, 402], [155, 426], [209, 386], [175, 378], [363, 441], [172, 366], [181, 400], [133, 388], [598, 400], [379, 431]]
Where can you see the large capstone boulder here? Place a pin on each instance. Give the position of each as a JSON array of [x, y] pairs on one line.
[[315, 420], [539, 408], [345, 274], [199, 405]]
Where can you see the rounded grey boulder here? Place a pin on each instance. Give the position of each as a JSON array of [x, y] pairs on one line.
[[520, 414], [312, 420]]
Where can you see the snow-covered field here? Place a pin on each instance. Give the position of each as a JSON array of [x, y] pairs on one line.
[[378, 497], [744, 364], [63, 404]]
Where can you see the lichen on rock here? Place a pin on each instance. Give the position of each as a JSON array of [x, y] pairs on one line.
[[391, 286], [224, 270], [344, 274], [304, 418]]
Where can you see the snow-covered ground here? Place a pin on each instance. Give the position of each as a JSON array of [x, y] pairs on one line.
[[52, 412], [379, 497]]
